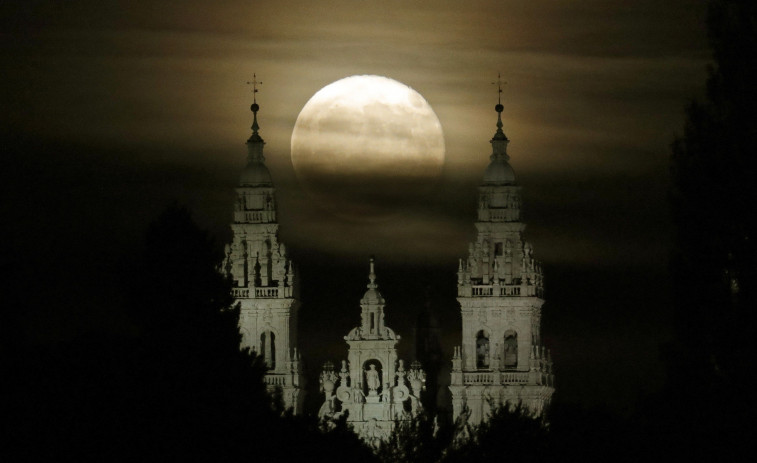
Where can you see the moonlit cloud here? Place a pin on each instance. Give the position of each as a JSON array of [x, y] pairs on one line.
[[596, 87], [114, 108]]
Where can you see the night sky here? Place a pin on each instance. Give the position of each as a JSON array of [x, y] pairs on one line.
[[114, 109]]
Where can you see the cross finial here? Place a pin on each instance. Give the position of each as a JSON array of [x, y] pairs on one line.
[[499, 84], [500, 135], [254, 107], [254, 82]]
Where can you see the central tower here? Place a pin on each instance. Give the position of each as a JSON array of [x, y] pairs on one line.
[[371, 387], [264, 278], [499, 289]]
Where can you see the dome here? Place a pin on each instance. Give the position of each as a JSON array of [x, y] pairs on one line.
[[372, 296], [256, 173], [499, 172]]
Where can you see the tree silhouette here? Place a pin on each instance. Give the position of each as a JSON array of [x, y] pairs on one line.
[[203, 395], [714, 202], [508, 434], [715, 195], [178, 292], [206, 396], [418, 439]]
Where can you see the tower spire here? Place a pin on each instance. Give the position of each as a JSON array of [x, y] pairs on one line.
[[372, 308], [255, 142], [265, 280], [499, 141], [372, 277], [499, 135], [255, 108]]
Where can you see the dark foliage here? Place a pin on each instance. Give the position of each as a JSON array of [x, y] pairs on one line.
[[179, 390], [416, 440], [204, 395], [715, 200], [310, 439], [569, 433], [708, 410], [510, 434]]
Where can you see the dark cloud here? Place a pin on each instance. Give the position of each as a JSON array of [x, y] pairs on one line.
[[113, 109]]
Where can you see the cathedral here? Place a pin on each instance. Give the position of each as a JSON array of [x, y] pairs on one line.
[[500, 362]]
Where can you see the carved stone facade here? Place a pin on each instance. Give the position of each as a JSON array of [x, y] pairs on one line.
[[372, 387], [265, 281], [500, 288]]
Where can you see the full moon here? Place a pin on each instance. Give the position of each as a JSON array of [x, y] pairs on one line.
[[363, 144]]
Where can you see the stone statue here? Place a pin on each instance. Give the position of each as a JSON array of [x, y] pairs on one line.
[[386, 394], [372, 379], [357, 396], [482, 353]]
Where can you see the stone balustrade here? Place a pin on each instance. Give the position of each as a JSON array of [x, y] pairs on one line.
[[266, 293], [262, 293], [482, 290], [499, 290], [240, 292], [254, 216], [498, 215], [501, 215], [277, 380], [479, 377], [496, 377], [514, 377]]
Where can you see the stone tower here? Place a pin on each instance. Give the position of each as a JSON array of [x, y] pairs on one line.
[[265, 281], [499, 288], [372, 384]]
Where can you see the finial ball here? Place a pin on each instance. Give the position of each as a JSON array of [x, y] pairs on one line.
[[254, 107], [499, 108]]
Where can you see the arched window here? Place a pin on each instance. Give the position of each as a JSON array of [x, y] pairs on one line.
[[482, 350], [268, 349], [511, 349]]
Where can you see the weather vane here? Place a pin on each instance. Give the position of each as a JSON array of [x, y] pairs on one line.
[[254, 82], [499, 84]]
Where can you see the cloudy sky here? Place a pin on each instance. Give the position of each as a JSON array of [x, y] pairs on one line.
[[112, 109]]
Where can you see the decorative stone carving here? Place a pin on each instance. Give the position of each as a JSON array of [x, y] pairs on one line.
[[417, 378], [372, 408], [498, 298]]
